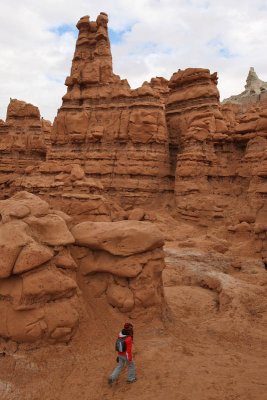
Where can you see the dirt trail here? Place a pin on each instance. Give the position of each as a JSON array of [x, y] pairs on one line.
[[189, 355]]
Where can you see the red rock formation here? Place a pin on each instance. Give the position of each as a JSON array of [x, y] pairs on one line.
[[22, 142], [116, 134], [34, 292], [196, 127], [123, 262], [220, 156], [40, 299], [161, 86], [110, 140], [22, 131]]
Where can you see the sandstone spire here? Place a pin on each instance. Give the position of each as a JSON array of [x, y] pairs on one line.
[[254, 84], [255, 88], [92, 61], [116, 134]]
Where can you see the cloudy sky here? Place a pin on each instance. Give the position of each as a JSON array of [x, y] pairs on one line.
[[148, 37]]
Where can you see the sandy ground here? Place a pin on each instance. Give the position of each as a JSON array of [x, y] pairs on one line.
[[200, 348], [184, 361]]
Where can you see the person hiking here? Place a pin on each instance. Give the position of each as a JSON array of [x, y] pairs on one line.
[[125, 357]]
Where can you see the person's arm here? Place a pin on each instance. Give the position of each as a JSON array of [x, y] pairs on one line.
[[129, 348]]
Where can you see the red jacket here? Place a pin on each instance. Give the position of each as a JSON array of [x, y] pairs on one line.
[[128, 352]]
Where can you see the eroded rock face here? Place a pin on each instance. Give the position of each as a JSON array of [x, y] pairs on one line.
[[166, 141], [39, 295], [122, 238], [122, 261], [32, 288], [118, 135], [107, 139], [22, 140], [195, 125], [218, 157]]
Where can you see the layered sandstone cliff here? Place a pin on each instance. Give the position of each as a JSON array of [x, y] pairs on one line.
[[23, 142], [197, 129], [220, 158], [169, 142], [116, 134]]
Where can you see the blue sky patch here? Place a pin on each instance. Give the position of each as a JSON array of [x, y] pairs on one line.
[[222, 50], [225, 53], [64, 28], [116, 37]]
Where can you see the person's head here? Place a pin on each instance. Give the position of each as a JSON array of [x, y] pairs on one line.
[[128, 325], [128, 329]]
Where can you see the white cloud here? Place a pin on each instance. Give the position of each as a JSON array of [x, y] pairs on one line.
[[159, 37]]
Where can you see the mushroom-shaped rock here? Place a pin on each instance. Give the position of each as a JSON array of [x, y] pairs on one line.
[[122, 238]]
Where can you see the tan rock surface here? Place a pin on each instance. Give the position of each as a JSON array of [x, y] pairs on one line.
[[122, 238], [29, 279], [50, 229], [32, 255], [14, 235]]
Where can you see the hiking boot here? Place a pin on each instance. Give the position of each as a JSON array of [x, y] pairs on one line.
[[110, 381], [132, 380]]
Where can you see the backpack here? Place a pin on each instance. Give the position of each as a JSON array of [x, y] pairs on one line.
[[120, 345]]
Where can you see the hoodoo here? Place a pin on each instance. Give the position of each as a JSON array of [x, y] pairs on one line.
[[118, 135], [141, 206]]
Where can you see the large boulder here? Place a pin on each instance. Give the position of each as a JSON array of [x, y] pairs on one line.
[[50, 229], [122, 238]]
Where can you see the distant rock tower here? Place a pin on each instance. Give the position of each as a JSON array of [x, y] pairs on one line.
[[255, 89], [254, 84]]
